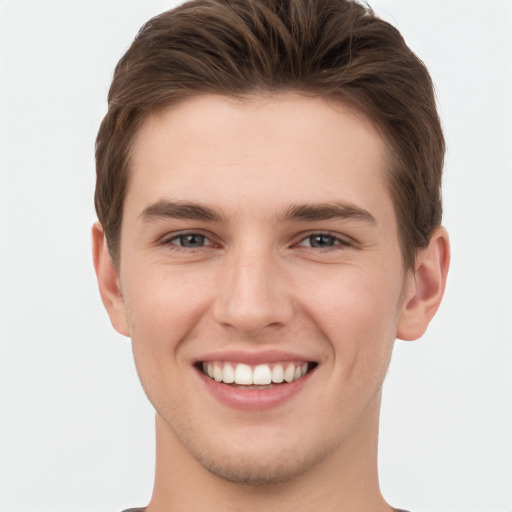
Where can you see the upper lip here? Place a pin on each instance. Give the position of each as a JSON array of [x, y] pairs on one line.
[[254, 357]]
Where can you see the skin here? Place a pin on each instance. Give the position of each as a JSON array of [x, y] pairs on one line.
[[259, 281]]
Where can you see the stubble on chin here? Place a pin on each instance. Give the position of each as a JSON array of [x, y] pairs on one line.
[[246, 465], [258, 473]]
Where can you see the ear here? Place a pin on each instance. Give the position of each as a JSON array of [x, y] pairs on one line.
[[108, 281], [425, 287]]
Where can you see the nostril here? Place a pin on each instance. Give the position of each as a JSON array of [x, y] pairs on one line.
[[251, 300]]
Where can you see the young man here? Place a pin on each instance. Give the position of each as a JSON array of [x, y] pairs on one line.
[[268, 194]]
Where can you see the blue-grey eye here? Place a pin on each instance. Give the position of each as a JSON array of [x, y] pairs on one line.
[[319, 241], [191, 240]]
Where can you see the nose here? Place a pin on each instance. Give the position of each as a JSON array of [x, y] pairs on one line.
[[253, 294]]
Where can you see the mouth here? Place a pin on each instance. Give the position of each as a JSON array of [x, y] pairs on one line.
[[256, 377]]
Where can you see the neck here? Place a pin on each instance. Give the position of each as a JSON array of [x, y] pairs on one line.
[[347, 480]]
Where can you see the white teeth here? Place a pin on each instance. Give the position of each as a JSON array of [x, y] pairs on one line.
[[217, 372], [260, 375], [228, 374], [289, 373], [243, 374], [278, 374]]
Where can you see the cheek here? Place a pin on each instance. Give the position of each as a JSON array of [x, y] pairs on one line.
[[163, 305], [356, 311]]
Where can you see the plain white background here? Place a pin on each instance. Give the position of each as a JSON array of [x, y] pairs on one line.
[[76, 432]]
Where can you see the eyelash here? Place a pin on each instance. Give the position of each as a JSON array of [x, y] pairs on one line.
[[182, 236], [336, 241]]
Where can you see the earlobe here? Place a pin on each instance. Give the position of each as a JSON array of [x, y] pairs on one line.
[[426, 287], [108, 281]]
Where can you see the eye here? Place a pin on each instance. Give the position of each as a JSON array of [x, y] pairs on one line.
[[323, 241], [189, 240]]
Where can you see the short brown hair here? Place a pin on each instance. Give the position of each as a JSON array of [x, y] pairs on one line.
[[328, 48]]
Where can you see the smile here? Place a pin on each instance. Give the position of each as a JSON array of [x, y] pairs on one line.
[[258, 375]]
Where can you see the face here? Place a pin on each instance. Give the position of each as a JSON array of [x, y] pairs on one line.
[[261, 279]]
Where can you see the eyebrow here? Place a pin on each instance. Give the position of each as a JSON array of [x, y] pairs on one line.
[[180, 210], [304, 212], [328, 211]]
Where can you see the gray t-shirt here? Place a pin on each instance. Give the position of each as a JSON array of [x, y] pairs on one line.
[[142, 510]]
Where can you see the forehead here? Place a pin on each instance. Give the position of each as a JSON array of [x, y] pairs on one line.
[[282, 148]]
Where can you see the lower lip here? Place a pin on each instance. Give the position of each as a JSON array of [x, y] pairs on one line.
[[254, 399]]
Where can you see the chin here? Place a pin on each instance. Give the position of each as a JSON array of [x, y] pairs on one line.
[[240, 470], [256, 458]]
